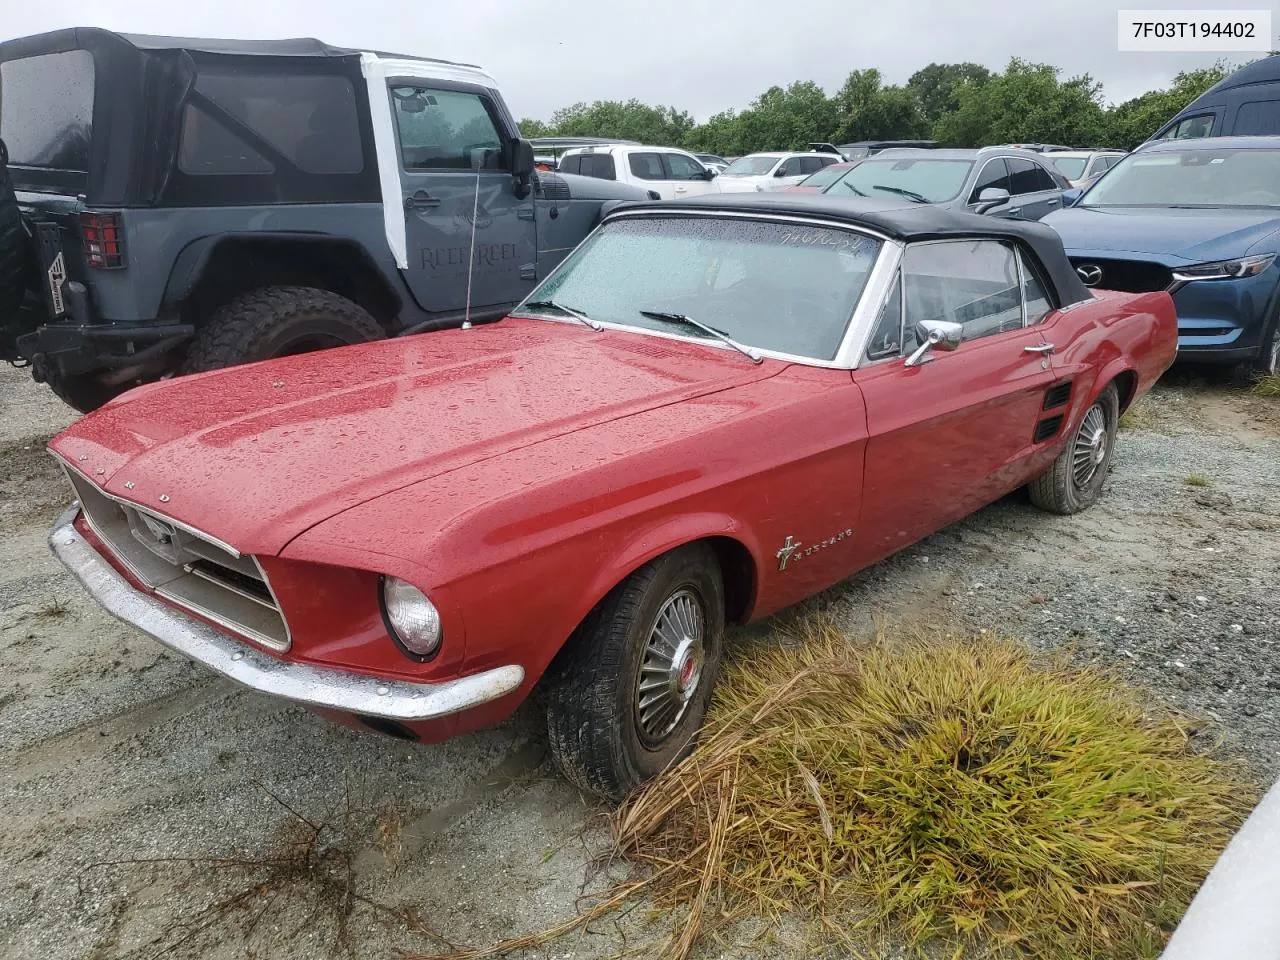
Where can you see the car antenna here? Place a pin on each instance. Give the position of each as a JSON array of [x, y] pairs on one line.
[[477, 161]]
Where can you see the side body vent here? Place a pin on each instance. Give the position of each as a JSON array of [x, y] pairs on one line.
[[1047, 428], [1057, 395]]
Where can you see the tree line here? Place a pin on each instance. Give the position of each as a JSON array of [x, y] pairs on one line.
[[958, 104]]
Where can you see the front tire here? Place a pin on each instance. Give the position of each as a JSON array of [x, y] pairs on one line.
[[1265, 364], [629, 691], [1074, 481], [278, 322]]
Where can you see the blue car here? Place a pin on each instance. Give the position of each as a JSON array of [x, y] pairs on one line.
[[1201, 219]]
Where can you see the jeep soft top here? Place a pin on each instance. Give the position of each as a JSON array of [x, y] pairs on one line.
[[173, 204]]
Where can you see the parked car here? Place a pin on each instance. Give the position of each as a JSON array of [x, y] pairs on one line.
[[1200, 219], [866, 148], [184, 205], [548, 150], [772, 171], [712, 162], [1038, 147], [995, 181], [817, 182], [668, 172], [1233, 916], [1083, 167], [1244, 104], [634, 458]]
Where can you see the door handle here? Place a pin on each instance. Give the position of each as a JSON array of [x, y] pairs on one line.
[[1014, 211], [421, 201], [1039, 348]]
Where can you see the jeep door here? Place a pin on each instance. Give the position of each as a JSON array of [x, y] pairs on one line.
[[464, 224]]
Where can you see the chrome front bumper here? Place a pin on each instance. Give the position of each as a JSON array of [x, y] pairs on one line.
[[303, 683]]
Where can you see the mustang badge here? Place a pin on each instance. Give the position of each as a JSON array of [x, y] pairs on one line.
[[790, 550]]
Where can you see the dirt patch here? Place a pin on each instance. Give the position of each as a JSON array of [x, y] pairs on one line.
[[32, 487], [121, 765]]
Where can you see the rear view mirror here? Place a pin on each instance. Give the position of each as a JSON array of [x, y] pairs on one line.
[[934, 335], [522, 166], [990, 198]]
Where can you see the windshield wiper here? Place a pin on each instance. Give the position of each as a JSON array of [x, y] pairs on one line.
[[909, 194], [680, 318], [595, 325], [853, 188]]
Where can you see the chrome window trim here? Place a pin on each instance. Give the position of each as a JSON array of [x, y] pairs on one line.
[[857, 329], [981, 170], [900, 264], [159, 590], [1022, 284], [867, 361]]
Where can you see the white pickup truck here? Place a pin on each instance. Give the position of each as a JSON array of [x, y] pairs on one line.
[[670, 172]]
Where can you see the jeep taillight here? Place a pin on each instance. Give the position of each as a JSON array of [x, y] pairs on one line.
[[103, 240]]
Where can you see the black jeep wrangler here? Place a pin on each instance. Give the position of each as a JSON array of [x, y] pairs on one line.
[[170, 206]]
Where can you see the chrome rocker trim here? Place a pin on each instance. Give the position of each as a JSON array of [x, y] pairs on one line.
[[302, 683]]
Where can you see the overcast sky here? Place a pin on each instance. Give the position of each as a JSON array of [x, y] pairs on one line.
[[698, 56]]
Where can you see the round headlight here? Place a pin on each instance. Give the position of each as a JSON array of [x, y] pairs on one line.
[[413, 618]]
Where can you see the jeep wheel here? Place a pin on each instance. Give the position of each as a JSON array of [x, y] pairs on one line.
[[1074, 481], [628, 693], [15, 246], [278, 322]]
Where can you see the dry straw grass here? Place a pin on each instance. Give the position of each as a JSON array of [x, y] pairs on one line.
[[930, 789], [1267, 386]]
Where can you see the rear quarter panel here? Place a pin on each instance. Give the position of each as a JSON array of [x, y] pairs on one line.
[[1115, 334]]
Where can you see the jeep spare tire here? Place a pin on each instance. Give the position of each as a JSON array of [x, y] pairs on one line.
[[278, 322], [14, 246]]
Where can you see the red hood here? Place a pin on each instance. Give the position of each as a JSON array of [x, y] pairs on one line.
[[257, 454]]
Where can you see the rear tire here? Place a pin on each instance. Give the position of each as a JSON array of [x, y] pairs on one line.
[[607, 734], [278, 322], [1074, 481]]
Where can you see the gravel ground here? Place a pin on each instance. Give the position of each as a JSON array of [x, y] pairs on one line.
[[152, 809]]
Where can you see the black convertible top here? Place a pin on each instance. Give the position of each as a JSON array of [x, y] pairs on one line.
[[901, 220], [91, 37]]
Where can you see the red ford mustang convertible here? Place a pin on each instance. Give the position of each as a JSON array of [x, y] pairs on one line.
[[712, 409]]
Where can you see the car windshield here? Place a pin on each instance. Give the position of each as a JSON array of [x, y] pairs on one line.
[[935, 180], [783, 287], [826, 176], [1191, 178], [750, 167], [1071, 167]]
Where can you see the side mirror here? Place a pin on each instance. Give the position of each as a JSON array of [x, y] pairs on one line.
[[1071, 197], [523, 165], [708, 174], [934, 335], [990, 198], [780, 172]]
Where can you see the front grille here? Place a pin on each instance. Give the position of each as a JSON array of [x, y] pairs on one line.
[[1131, 276], [184, 567]]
